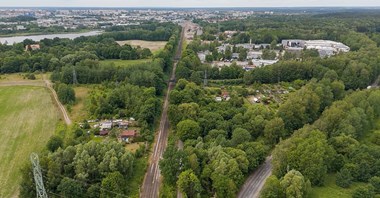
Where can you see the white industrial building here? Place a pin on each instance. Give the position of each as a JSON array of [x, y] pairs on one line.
[[325, 48]]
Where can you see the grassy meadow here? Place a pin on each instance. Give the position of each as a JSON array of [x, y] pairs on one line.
[[28, 118], [331, 190], [152, 45], [124, 63]]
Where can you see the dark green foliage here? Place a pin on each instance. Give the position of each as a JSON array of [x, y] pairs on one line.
[[92, 168], [375, 182], [189, 184], [307, 151], [114, 185], [272, 188], [54, 143], [344, 178], [364, 192], [66, 94], [295, 185], [70, 188], [171, 163], [188, 129], [239, 136]]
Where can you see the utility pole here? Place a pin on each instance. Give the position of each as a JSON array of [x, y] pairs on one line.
[[75, 80], [205, 79], [40, 188]]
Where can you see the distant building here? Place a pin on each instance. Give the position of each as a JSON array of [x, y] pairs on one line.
[[105, 125], [20, 27], [254, 55], [325, 48], [127, 136], [32, 47], [202, 55]]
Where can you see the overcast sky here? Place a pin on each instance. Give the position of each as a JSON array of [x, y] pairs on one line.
[[186, 3]]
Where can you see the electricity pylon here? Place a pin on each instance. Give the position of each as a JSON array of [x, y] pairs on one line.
[[40, 188]]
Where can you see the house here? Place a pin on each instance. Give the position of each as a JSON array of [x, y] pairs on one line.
[[254, 55], [20, 27], [127, 136], [235, 55], [218, 99], [32, 47], [202, 55], [105, 125], [123, 124], [226, 95]]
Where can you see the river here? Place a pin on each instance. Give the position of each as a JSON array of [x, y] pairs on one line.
[[19, 39]]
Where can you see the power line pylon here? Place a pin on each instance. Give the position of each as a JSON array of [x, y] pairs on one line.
[[75, 79], [40, 188]]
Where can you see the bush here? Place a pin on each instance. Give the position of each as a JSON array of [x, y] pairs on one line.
[[344, 178], [364, 192], [66, 94], [30, 76], [54, 143]]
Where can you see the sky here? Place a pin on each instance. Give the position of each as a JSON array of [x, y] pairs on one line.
[[187, 3]]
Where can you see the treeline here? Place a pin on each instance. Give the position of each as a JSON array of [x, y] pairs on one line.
[[332, 144], [91, 72], [85, 170], [268, 29]]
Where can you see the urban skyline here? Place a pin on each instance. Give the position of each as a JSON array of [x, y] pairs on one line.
[[195, 3]]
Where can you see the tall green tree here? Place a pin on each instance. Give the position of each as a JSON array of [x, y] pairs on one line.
[[189, 184]]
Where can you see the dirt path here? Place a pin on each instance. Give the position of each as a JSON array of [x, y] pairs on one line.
[[42, 83], [60, 106]]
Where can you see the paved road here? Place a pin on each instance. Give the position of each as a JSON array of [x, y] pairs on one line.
[[152, 180], [41, 83], [255, 182]]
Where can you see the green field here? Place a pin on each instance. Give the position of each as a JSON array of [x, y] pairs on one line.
[[125, 63], [331, 190], [28, 118]]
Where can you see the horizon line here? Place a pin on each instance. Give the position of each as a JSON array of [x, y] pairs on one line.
[[357, 6]]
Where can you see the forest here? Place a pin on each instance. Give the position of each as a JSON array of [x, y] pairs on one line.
[[328, 126], [75, 163], [327, 123]]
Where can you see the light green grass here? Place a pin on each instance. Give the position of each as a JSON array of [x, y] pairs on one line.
[[125, 63], [28, 118], [331, 190]]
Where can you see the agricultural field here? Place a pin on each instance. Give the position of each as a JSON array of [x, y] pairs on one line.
[[125, 63], [152, 45], [28, 118]]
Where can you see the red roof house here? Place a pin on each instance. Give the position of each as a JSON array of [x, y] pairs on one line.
[[127, 135]]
